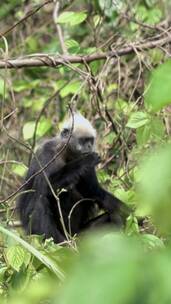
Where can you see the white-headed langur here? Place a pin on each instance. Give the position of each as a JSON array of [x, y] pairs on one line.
[[73, 177]]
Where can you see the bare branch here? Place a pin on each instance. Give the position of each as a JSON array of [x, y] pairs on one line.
[[41, 60]]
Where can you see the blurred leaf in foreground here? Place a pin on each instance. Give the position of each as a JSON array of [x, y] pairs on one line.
[[112, 268], [154, 187], [159, 92]]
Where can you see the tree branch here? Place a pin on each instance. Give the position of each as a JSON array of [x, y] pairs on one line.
[[41, 60]]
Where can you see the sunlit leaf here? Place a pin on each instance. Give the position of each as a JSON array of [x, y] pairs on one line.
[[15, 256], [137, 120], [43, 127], [70, 88], [28, 129], [72, 18], [96, 20], [19, 169], [41, 257]]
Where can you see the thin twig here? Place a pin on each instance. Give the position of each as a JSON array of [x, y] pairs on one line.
[[58, 28], [29, 14]]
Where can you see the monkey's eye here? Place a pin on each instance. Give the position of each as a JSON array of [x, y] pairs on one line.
[[65, 133], [85, 140]]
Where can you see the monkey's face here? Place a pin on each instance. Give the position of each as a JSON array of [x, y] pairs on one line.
[[78, 143], [84, 144]]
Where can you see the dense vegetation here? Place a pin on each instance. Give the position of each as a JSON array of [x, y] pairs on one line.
[[109, 60]]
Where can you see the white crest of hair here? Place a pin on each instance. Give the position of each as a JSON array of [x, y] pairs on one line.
[[81, 125]]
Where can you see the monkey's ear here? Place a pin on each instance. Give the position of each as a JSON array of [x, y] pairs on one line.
[[65, 133]]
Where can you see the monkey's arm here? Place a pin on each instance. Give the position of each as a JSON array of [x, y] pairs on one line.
[[59, 174], [71, 172], [89, 187], [98, 221]]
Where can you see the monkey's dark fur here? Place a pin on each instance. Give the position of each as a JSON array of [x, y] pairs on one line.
[[73, 170]]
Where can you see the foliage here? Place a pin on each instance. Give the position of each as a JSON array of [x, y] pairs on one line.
[[128, 100]]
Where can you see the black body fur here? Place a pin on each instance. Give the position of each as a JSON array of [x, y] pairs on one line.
[[38, 207]]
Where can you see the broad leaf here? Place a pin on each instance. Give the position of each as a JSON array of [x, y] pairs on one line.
[[72, 18], [137, 120], [15, 256], [43, 127]]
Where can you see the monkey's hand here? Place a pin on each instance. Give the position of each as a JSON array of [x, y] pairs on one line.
[[72, 171], [117, 210], [91, 160]]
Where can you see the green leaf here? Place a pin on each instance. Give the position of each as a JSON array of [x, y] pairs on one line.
[[137, 120], [132, 227], [43, 127], [143, 134], [21, 85], [72, 45], [125, 196], [72, 18], [150, 3], [70, 88], [59, 84], [122, 106], [20, 280], [65, 17], [154, 16], [36, 104], [28, 129], [105, 272], [109, 9], [97, 20], [89, 50], [156, 56], [103, 176], [152, 241], [19, 169], [15, 256], [109, 138], [154, 130], [141, 12], [41, 257], [159, 93], [32, 43], [154, 187], [1, 86], [3, 269]]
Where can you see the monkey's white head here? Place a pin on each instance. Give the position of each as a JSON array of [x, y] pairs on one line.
[[81, 132]]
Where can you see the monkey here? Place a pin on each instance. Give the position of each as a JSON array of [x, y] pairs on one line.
[[72, 176]]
